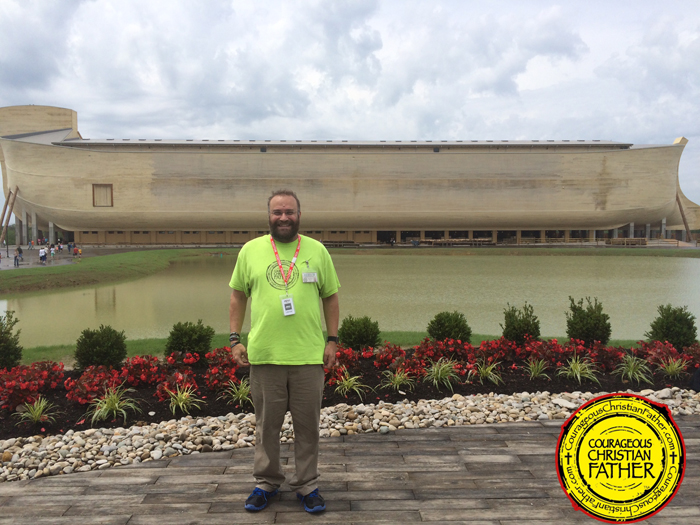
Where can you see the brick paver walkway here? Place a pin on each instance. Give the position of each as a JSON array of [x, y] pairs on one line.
[[487, 474]]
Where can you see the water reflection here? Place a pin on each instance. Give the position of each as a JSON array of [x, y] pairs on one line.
[[401, 292]]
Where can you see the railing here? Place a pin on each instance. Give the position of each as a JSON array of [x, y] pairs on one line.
[[339, 244], [629, 241], [488, 241], [663, 242]]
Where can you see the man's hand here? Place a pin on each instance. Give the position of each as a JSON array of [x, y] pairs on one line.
[[329, 358], [240, 355]]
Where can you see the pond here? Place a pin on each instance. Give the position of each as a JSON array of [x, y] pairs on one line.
[[402, 292]]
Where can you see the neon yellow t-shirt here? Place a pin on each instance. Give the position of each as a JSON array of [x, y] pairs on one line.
[[275, 338]]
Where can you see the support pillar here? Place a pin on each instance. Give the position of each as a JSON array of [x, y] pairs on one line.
[[470, 234], [543, 236], [518, 236], [398, 236], [663, 228], [374, 236], [422, 235], [447, 234], [494, 236], [25, 237], [52, 234], [18, 232], [647, 231], [35, 227], [591, 235], [616, 232], [567, 235], [684, 236], [631, 230]]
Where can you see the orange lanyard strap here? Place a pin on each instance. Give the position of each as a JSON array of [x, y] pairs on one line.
[[279, 262]]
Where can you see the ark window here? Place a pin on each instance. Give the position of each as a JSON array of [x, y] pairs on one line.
[[102, 196]]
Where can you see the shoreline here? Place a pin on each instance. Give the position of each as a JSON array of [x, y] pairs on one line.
[[113, 264], [100, 449]]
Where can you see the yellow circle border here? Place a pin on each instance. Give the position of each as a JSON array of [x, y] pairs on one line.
[[603, 411]]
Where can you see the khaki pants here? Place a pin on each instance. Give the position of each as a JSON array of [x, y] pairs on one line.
[[276, 389]]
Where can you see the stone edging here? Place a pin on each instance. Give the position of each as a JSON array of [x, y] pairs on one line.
[[98, 449]]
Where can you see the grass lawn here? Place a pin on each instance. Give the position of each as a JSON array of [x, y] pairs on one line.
[[101, 269]]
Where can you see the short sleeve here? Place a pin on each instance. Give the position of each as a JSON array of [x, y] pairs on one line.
[[239, 278], [329, 279]]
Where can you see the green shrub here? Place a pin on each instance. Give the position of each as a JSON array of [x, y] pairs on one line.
[[588, 324], [520, 323], [104, 346], [450, 325], [358, 333], [189, 338], [675, 325], [10, 349]]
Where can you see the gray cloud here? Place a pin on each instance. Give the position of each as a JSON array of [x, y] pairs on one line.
[[33, 39], [365, 69]]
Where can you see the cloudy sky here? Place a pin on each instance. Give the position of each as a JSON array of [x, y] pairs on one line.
[[362, 69]]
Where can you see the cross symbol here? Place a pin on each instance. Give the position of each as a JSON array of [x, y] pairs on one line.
[[673, 456], [568, 458]]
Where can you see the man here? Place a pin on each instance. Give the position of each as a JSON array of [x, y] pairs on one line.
[[284, 274]]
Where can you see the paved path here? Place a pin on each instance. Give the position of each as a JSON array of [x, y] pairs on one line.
[[482, 474]]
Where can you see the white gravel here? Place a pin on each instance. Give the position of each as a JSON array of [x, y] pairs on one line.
[[97, 449]]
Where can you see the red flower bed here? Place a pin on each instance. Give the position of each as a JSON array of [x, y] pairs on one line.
[[182, 378], [152, 380], [142, 370], [347, 357], [222, 368], [178, 357], [389, 355], [657, 352], [93, 383], [24, 383], [693, 353]]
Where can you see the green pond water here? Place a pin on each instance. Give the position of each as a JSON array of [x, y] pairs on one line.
[[402, 292]]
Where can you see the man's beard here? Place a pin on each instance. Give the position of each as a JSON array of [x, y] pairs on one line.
[[288, 236]]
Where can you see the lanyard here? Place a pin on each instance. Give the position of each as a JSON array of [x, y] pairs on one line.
[[279, 262]]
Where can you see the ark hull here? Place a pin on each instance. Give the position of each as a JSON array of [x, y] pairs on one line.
[[343, 186]]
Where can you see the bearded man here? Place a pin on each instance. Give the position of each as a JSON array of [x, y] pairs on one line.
[[284, 274]]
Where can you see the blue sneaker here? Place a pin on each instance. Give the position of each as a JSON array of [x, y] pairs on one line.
[[313, 502], [258, 499]]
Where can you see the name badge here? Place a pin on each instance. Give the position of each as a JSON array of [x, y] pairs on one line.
[[287, 305], [309, 277]]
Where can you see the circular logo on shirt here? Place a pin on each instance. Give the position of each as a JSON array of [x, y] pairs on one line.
[[274, 277], [620, 458]]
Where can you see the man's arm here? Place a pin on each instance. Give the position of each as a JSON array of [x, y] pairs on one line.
[[331, 312], [236, 313]]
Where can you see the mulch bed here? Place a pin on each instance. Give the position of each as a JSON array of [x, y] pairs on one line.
[[72, 415]]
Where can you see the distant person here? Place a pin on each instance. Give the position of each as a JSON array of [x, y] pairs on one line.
[[75, 251], [16, 259], [53, 252], [80, 253], [21, 253]]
